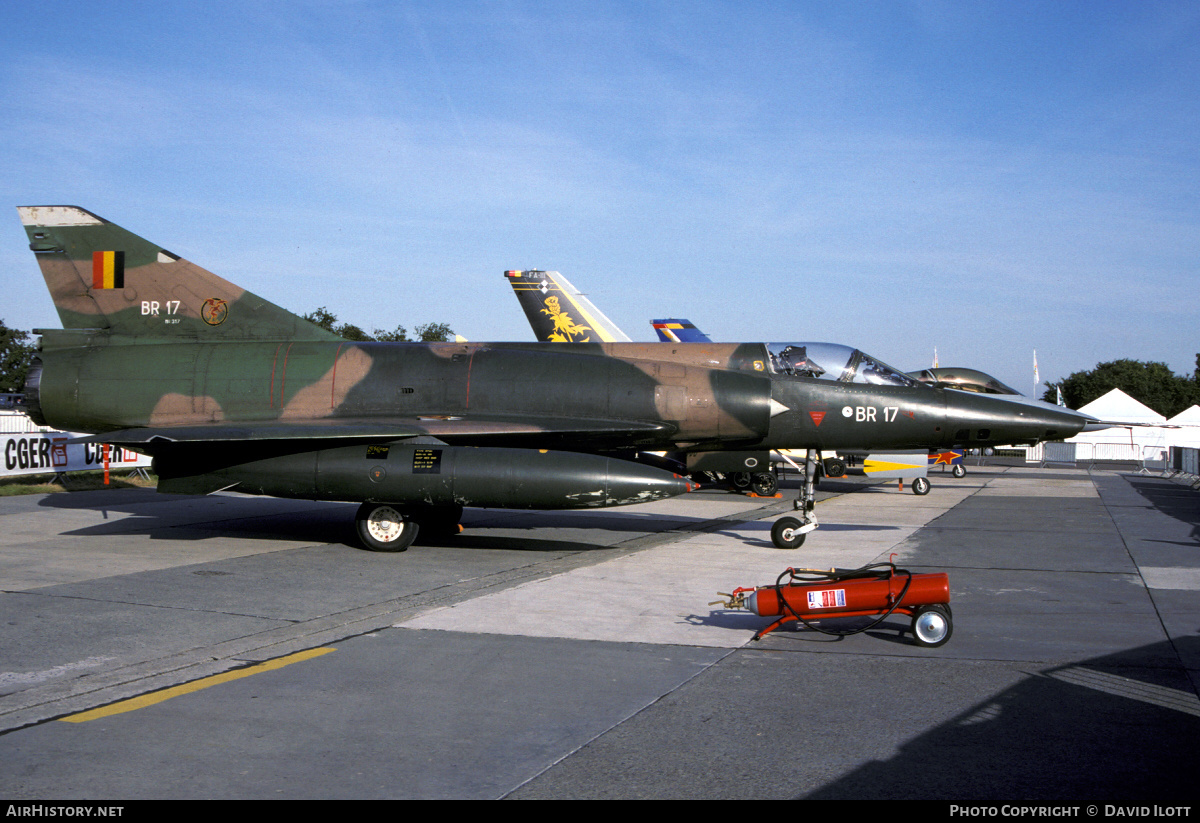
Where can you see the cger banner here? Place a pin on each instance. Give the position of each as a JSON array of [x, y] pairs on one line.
[[46, 452]]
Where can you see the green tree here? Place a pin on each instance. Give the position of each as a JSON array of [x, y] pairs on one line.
[[327, 320], [433, 332], [15, 354], [323, 317], [426, 332], [353, 332], [397, 335], [1153, 384]]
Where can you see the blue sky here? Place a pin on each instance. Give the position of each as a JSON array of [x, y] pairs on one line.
[[983, 178]]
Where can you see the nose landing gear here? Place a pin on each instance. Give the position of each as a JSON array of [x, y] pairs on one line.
[[789, 532]]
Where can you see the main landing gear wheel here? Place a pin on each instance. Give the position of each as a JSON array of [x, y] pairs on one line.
[[382, 528], [764, 484], [932, 625], [959, 471], [834, 467], [740, 480], [786, 533], [920, 485]]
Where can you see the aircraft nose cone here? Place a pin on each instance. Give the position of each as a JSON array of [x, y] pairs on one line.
[[976, 419], [1060, 422]]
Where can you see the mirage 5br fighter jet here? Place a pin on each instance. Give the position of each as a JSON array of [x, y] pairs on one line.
[[229, 391]]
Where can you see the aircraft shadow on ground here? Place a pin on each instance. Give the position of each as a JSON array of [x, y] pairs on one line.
[[764, 527], [496, 543], [127, 500], [316, 524], [1053, 738], [162, 517]]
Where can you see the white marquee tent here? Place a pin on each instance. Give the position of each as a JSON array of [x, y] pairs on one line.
[[1188, 433], [1138, 432]]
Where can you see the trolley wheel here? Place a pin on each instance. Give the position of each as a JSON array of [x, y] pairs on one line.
[[959, 471], [786, 533], [382, 528], [932, 625], [740, 480], [920, 485], [764, 484]]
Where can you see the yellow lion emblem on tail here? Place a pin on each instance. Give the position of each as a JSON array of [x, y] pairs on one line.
[[565, 328]]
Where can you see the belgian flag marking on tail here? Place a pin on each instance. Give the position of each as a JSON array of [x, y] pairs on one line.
[[108, 270]]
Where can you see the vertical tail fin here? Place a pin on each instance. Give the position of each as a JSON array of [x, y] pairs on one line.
[[559, 312], [103, 277], [672, 330]]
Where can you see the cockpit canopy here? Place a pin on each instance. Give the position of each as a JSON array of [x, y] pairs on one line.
[[963, 380], [830, 361]]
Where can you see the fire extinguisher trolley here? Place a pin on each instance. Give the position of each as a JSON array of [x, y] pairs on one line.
[[813, 597]]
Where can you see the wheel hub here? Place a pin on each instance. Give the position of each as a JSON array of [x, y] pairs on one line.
[[385, 524], [931, 627]]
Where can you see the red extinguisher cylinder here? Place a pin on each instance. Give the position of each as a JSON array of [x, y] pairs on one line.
[[850, 596]]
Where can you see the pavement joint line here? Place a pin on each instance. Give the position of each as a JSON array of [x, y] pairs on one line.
[[1037, 570], [699, 671], [1150, 592]]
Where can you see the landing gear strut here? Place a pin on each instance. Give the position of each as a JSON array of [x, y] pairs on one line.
[[789, 532]]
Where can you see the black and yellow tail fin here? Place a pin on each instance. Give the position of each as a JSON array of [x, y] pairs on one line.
[[559, 312], [105, 278]]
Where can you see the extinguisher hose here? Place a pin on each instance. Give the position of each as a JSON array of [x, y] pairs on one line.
[[871, 570]]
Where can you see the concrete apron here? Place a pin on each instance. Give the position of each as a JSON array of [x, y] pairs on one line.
[[662, 595]]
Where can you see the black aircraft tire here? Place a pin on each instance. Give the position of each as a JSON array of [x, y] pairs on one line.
[[740, 480], [920, 486], [834, 467], [382, 528], [932, 626], [764, 484], [784, 533]]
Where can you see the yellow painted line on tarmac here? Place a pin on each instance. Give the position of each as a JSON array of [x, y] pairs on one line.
[[166, 694]]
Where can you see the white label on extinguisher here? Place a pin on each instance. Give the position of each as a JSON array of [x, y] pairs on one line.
[[827, 599]]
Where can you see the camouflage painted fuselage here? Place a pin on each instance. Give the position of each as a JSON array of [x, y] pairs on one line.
[[587, 397], [465, 392], [226, 389]]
